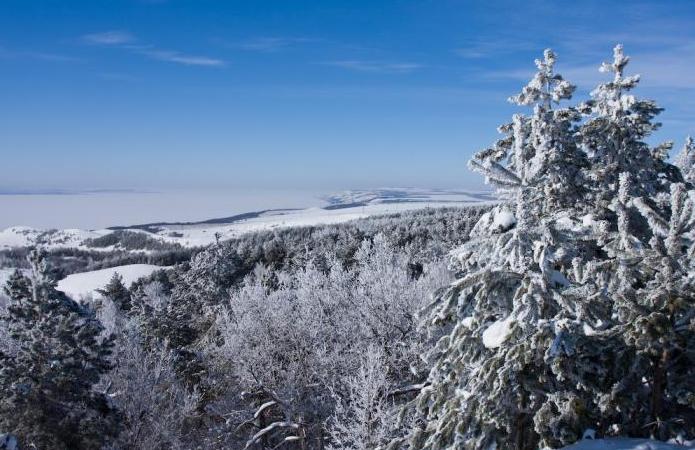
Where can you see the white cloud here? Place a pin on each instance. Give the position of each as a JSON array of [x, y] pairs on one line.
[[376, 66], [270, 44], [126, 41], [109, 38], [180, 58]]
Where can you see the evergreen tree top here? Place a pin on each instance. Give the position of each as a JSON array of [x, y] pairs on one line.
[[546, 87]]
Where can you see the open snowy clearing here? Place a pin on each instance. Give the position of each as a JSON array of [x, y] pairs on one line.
[[85, 284]]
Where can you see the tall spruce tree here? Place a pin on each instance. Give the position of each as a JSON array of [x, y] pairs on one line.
[[655, 312], [646, 265], [491, 367], [46, 381], [577, 313], [116, 291], [614, 138]]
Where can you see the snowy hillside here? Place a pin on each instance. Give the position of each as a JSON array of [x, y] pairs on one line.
[[20, 236], [198, 235], [81, 285], [406, 195], [335, 208]]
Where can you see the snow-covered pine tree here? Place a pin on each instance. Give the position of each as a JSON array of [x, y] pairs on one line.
[[543, 164], [613, 137], [46, 384], [655, 307], [686, 160], [537, 164], [177, 323], [116, 291], [644, 266], [577, 311], [503, 320]]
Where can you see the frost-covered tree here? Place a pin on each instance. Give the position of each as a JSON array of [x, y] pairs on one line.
[[645, 266], [613, 137], [364, 417], [116, 291], [47, 383], [176, 321], [655, 320], [566, 316], [154, 404], [538, 161], [686, 160], [496, 323], [293, 343]]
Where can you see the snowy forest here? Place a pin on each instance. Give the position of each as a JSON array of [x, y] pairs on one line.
[[564, 313]]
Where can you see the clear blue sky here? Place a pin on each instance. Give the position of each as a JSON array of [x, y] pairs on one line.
[[156, 94]]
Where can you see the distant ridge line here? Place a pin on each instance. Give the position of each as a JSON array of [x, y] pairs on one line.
[[335, 202], [154, 226]]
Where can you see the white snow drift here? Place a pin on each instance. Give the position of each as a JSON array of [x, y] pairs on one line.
[[85, 284]]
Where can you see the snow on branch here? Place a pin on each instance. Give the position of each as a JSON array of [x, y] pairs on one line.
[[269, 429]]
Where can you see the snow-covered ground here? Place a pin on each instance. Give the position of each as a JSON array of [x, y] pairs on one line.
[[335, 208], [389, 195], [624, 444], [20, 236], [85, 284], [197, 235]]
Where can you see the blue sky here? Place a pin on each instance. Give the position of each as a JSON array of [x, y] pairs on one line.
[[159, 94]]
